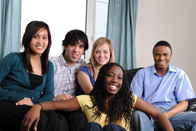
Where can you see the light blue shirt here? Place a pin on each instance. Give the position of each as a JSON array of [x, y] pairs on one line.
[[165, 90]]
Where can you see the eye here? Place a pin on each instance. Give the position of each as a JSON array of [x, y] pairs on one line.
[[35, 36], [110, 75], [81, 46], [120, 78], [45, 38], [157, 55], [105, 51], [97, 52]]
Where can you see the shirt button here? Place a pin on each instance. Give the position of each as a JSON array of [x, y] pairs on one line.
[[32, 98], [31, 91]]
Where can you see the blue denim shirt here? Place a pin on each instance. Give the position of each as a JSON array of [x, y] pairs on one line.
[[165, 90]]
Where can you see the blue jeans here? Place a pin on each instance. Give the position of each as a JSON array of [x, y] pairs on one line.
[[93, 126], [183, 121]]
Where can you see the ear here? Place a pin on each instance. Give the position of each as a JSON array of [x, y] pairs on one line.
[[171, 55]]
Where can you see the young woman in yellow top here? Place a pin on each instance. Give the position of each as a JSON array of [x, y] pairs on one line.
[[110, 105]]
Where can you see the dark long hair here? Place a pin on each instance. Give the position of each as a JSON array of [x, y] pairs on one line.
[[32, 28], [121, 105]]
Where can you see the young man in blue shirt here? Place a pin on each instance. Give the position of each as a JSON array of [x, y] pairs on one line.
[[166, 87]]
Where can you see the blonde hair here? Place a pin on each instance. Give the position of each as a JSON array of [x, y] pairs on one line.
[[98, 43]]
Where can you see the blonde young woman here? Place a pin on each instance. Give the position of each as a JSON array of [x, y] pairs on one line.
[[102, 53]]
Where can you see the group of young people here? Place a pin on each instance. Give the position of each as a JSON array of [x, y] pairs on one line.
[[64, 93]]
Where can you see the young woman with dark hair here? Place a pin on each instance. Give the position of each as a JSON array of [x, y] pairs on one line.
[[110, 105], [27, 78]]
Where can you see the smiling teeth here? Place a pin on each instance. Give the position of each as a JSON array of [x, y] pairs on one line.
[[39, 47], [113, 87]]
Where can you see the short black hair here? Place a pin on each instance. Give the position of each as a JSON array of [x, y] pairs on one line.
[[162, 43], [73, 36]]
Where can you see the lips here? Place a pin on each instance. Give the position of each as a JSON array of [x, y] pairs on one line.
[[113, 87], [39, 47], [74, 55]]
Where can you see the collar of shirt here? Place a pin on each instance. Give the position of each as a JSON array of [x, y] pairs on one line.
[[170, 69]]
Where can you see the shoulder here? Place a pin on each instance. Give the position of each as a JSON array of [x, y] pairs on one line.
[[177, 70], [15, 55], [81, 61], [53, 59], [50, 65], [145, 70], [82, 99], [12, 57], [84, 68]]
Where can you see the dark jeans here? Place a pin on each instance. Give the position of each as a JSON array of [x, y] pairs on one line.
[[76, 120], [93, 126], [12, 115]]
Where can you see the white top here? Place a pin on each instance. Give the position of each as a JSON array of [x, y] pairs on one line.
[[65, 79]]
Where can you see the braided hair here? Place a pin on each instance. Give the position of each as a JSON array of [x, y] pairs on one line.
[[121, 105]]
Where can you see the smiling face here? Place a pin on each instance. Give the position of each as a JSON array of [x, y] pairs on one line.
[[74, 52], [39, 42], [162, 56], [114, 80], [102, 55]]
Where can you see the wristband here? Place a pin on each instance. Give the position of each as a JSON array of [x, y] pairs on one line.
[[40, 105]]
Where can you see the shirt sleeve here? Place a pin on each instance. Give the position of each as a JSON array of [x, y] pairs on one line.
[[184, 90], [83, 100], [6, 66], [137, 83], [135, 98]]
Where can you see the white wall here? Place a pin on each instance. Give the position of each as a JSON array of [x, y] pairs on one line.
[[170, 20], [61, 16]]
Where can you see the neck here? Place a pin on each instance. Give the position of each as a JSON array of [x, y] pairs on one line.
[[70, 63], [162, 72], [98, 67], [35, 57]]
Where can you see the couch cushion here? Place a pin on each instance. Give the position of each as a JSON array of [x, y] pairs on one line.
[[129, 74]]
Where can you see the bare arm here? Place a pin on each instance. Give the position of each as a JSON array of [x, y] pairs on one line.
[[33, 114], [180, 107], [63, 97], [84, 82], [154, 112]]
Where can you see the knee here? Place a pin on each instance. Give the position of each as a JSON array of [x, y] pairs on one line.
[[79, 115], [113, 127], [140, 114], [92, 126]]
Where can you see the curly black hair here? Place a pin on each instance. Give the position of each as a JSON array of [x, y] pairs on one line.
[[121, 105]]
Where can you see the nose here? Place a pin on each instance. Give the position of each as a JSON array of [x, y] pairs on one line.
[[114, 79], [39, 41], [161, 57], [76, 48], [101, 54]]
